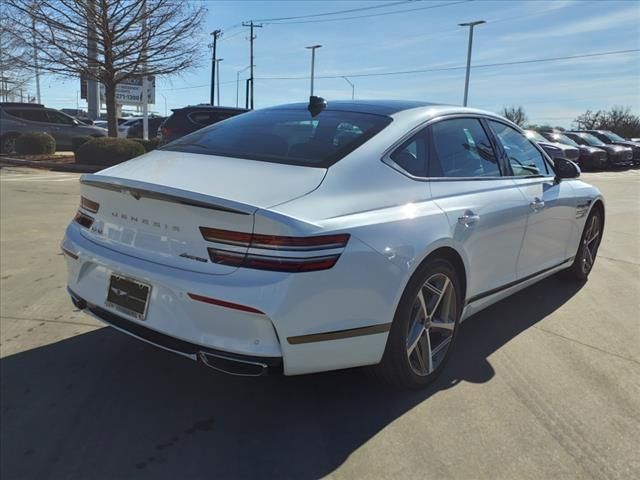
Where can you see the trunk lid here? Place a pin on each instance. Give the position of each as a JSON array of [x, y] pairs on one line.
[[153, 207]]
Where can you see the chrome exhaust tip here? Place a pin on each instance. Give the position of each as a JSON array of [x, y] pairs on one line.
[[233, 366]]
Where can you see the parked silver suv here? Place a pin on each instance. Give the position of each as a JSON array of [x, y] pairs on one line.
[[18, 118]]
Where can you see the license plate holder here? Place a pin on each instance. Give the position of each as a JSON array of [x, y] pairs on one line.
[[128, 296]]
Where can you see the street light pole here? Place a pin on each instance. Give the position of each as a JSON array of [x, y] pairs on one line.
[[466, 81], [238, 84], [353, 88], [218, 60], [215, 34], [313, 63]]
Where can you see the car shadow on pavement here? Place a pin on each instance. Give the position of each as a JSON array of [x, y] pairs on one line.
[[104, 406]]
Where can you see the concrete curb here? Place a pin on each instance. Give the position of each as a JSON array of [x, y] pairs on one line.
[[59, 167]]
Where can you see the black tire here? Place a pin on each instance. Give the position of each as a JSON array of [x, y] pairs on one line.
[[587, 251], [8, 143], [396, 367]]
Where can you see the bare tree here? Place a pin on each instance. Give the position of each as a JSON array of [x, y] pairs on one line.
[[590, 120], [619, 120], [131, 38], [515, 114], [14, 77]]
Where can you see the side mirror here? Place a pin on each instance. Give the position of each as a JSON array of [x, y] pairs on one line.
[[566, 169]]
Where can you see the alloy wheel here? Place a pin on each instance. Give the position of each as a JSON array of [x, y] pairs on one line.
[[590, 244], [432, 324]]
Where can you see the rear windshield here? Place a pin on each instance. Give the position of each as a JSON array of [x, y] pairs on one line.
[[288, 136]]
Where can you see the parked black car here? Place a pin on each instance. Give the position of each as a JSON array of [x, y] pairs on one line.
[[135, 129], [617, 155], [189, 119], [591, 158], [611, 138], [554, 149]]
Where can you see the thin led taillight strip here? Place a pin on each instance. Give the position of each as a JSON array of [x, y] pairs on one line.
[[275, 242], [85, 220], [222, 303], [90, 205], [273, 263]]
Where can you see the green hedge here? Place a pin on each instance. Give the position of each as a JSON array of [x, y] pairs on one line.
[[35, 143], [148, 145], [107, 151]]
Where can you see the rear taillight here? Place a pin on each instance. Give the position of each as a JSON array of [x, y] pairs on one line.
[[309, 250], [89, 205], [85, 220], [81, 217], [165, 133]]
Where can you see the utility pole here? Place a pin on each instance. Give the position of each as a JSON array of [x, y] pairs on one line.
[[238, 84], [218, 60], [252, 37], [466, 80], [313, 64], [215, 34]]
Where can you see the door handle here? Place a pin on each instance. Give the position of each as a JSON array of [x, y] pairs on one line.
[[536, 205], [468, 218]]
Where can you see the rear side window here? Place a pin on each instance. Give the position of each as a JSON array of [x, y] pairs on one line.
[[462, 149], [525, 159], [30, 114], [57, 117], [288, 136], [412, 155]]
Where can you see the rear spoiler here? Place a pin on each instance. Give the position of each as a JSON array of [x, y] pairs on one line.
[[139, 189]]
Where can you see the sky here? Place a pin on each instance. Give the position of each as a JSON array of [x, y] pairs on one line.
[[420, 35]]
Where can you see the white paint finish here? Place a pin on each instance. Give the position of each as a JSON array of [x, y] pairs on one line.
[[549, 227], [260, 184], [394, 222], [492, 243]]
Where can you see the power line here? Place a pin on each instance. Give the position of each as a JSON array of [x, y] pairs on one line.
[[337, 12], [224, 38], [461, 67], [369, 15], [428, 70]]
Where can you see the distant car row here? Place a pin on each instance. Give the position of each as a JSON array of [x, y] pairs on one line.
[[590, 149]]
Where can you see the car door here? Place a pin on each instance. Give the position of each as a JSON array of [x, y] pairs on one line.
[[552, 210], [62, 128], [486, 211]]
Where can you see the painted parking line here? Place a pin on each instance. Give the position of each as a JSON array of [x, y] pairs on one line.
[[50, 177]]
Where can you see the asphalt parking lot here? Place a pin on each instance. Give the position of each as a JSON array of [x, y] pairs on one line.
[[545, 384]]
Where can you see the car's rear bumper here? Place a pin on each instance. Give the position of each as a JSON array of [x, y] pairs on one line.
[[226, 362], [315, 321]]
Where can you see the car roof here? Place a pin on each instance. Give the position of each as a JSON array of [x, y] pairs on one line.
[[379, 107], [205, 106], [21, 104]]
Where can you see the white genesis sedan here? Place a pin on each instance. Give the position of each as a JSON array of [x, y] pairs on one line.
[[305, 238]]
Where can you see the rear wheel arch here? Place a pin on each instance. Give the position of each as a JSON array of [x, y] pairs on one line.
[[450, 254], [447, 253], [599, 206]]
